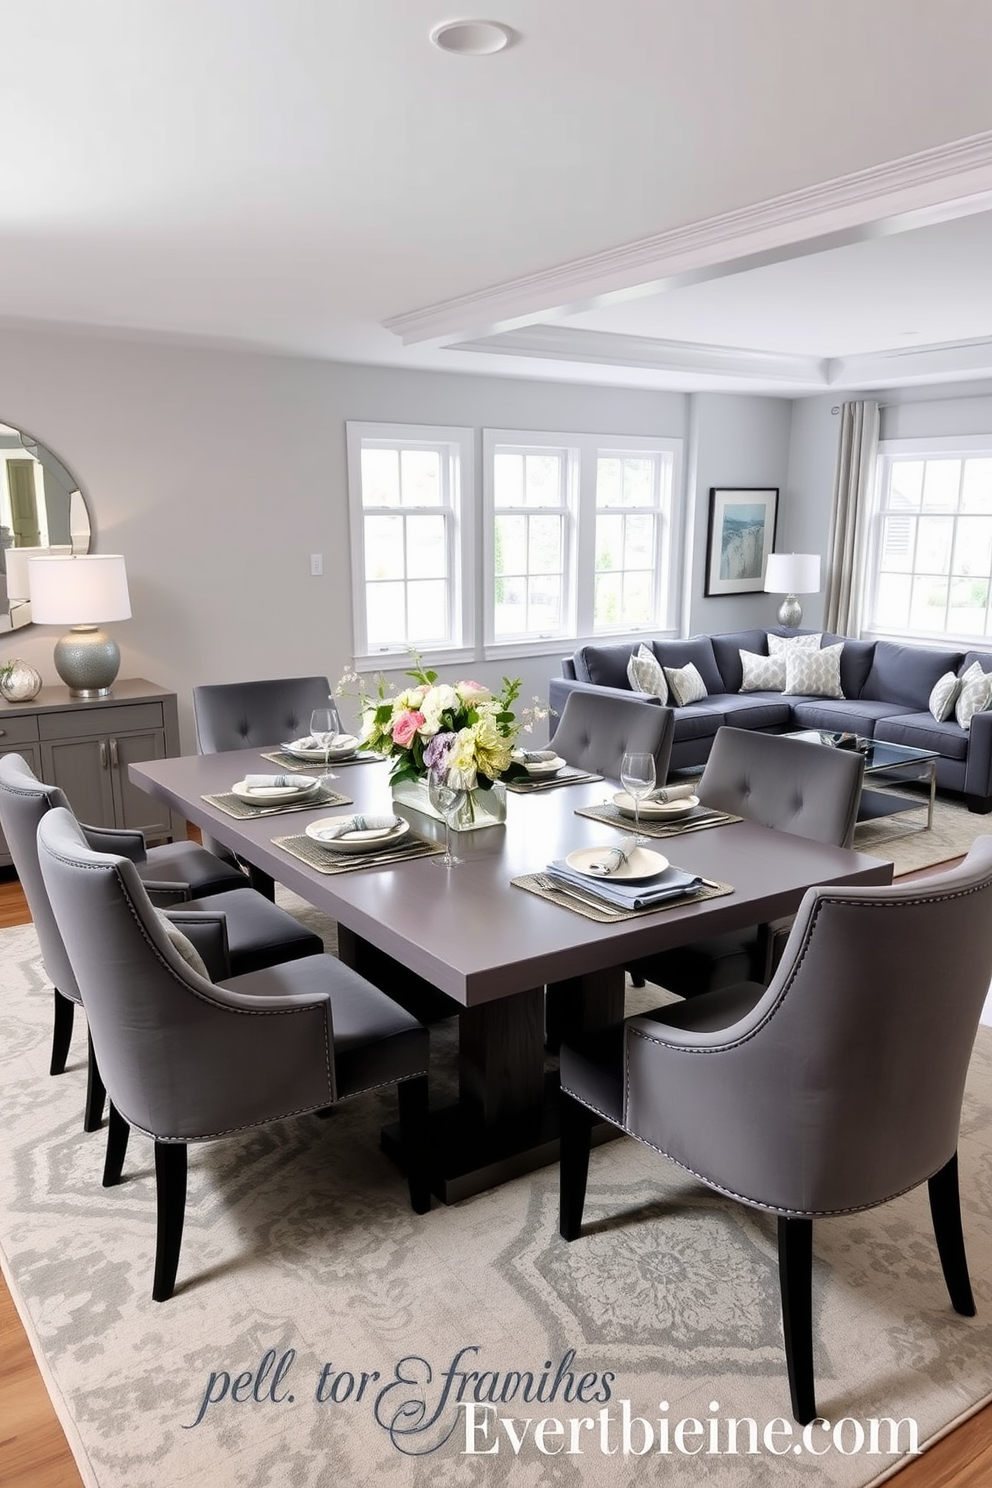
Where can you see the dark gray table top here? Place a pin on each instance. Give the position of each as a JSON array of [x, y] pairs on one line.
[[468, 930]]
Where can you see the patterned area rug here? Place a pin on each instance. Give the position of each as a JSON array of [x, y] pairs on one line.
[[322, 1333]]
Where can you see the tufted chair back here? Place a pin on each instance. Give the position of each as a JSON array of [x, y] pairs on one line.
[[251, 715], [807, 789], [594, 733]]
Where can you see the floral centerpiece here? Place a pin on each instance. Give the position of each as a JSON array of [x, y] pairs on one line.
[[459, 732]]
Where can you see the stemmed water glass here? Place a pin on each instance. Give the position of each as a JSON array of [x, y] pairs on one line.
[[325, 724], [445, 799], [637, 778]]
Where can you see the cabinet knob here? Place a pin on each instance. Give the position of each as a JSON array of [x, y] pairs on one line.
[[103, 754], [113, 754]]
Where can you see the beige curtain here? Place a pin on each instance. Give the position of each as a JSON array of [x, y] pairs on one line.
[[856, 457]]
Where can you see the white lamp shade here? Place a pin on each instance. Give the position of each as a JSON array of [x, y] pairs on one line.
[[79, 591], [792, 573]]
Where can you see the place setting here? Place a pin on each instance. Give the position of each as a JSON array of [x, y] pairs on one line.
[[343, 844], [668, 811], [326, 744], [618, 881], [545, 771], [274, 794]]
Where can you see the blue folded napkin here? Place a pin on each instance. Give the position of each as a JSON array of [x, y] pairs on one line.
[[673, 883]]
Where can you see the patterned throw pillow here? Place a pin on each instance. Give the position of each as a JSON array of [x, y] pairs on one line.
[[645, 673], [814, 673], [685, 684], [975, 695], [782, 645], [762, 673], [183, 945], [944, 696]]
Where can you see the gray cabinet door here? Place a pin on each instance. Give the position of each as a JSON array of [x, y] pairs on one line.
[[132, 807], [81, 767]]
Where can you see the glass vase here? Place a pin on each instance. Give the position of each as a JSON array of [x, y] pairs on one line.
[[479, 808]]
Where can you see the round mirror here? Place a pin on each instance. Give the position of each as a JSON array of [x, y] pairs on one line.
[[42, 510]]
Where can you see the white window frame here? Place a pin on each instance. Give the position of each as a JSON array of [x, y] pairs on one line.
[[459, 447], [890, 451], [583, 452]]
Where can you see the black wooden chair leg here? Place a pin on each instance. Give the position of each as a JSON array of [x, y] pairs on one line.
[[795, 1274], [945, 1210], [118, 1131], [170, 1192], [261, 881], [414, 1136], [575, 1128], [95, 1092], [636, 980], [61, 1032]]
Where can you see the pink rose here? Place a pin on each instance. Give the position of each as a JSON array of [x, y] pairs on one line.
[[472, 692], [405, 727]]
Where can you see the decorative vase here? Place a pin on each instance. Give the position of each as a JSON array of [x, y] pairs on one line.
[[478, 808], [20, 682]]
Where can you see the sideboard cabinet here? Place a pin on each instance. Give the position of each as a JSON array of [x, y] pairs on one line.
[[85, 745]]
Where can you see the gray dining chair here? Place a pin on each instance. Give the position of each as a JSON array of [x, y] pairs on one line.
[[807, 789], [834, 1089], [254, 715], [187, 1059], [594, 733], [257, 933]]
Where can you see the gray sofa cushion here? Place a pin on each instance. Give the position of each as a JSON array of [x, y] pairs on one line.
[[698, 650], [984, 659], [907, 674], [606, 666], [757, 710], [847, 715], [727, 650], [922, 731]]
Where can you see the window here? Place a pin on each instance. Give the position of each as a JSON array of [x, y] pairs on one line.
[[930, 548], [410, 491], [580, 536]]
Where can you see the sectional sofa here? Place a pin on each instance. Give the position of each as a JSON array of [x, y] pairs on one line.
[[887, 694]]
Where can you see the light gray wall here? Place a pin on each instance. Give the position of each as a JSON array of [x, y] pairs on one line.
[[935, 417], [217, 473], [734, 441]]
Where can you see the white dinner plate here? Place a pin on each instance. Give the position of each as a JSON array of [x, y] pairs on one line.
[[656, 810], [301, 749], [642, 864], [540, 768], [273, 795], [367, 841]]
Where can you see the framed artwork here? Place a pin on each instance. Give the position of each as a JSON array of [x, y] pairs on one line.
[[741, 535]]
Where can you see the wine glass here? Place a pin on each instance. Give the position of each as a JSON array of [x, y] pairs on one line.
[[446, 800], [637, 778], [325, 723]]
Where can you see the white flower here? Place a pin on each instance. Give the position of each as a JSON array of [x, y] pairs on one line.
[[438, 700]]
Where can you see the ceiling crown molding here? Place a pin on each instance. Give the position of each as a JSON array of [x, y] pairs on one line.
[[947, 181], [607, 348]]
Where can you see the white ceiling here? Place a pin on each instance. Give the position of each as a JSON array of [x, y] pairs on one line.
[[781, 195]]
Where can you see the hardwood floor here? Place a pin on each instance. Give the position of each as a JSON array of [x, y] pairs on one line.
[[34, 1452]]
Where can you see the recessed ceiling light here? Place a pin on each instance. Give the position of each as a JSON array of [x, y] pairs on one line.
[[471, 38]]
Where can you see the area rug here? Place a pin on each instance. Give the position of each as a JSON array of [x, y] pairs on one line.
[[906, 842]]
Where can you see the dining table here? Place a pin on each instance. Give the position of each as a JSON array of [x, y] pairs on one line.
[[515, 965]]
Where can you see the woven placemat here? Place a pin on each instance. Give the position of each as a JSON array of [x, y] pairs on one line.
[[614, 817], [606, 914], [567, 775], [232, 805], [290, 762], [325, 860]]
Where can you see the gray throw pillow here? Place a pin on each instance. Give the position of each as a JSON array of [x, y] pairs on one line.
[[781, 645], [646, 674], [685, 684], [975, 695], [183, 945], [944, 696], [762, 673], [814, 673]]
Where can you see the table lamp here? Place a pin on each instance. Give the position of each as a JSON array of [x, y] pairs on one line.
[[791, 574], [84, 593]]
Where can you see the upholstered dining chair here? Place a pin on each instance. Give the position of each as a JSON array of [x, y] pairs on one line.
[[257, 932], [807, 789], [187, 1059], [254, 715], [594, 733], [834, 1089]]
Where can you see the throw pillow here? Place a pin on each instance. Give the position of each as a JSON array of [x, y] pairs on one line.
[[762, 673], [685, 684], [183, 945], [975, 695], [645, 673], [944, 696], [814, 673], [782, 645]]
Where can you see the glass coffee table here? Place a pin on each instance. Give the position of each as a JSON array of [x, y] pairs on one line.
[[887, 766]]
